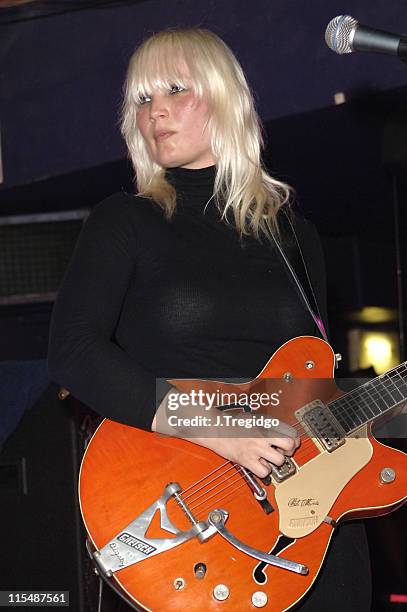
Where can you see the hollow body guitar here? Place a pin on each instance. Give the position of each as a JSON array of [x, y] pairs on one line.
[[208, 542]]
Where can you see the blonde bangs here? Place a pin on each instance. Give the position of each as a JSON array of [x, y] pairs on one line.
[[199, 60], [163, 61]]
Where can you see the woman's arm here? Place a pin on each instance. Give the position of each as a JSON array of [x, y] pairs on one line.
[[83, 356]]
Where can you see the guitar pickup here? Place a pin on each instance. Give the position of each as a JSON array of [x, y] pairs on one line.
[[282, 472], [323, 425]]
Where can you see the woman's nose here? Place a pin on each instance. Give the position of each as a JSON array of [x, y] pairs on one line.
[[158, 107]]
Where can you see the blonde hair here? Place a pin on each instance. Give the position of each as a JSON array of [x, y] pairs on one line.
[[241, 184]]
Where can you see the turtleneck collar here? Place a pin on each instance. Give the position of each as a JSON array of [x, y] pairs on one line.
[[194, 187], [185, 177]]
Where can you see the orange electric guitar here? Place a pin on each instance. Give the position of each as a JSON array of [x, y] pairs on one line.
[[173, 526]]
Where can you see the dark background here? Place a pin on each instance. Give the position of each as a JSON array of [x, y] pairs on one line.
[[62, 65], [61, 75]]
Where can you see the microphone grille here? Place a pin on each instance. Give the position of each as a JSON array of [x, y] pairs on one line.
[[338, 33]]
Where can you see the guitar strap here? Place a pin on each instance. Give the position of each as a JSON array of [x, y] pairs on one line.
[[304, 288]]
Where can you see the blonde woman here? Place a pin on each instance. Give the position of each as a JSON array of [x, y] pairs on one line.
[[183, 279]]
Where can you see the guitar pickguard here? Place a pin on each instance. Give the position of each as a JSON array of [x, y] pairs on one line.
[[305, 499]]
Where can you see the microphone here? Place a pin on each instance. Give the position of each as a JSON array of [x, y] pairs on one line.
[[344, 34]]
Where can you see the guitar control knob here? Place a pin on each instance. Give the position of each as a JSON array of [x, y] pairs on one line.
[[221, 592], [387, 475], [259, 599], [178, 584], [200, 570]]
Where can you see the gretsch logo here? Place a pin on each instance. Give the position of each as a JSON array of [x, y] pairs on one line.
[[295, 502], [138, 545]]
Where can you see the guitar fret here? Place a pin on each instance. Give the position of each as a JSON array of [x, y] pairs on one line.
[[361, 414], [371, 410], [385, 392], [401, 386], [345, 422], [338, 408], [373, 405], [370, 400], [364, 397], [393, 390], [353, 415], [398, 396], [377, 399]]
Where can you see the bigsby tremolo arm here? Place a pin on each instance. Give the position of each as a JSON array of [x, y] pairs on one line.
[[132, 545], [217, 519]]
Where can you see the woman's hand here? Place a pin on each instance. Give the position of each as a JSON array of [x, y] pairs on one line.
[[231, 434], [256, 453]]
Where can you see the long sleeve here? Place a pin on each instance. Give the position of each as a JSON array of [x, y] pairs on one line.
[[83, 356]]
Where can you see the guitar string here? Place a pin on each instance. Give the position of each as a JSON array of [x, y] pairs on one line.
[[369, 394], [365, 393], [237, 475], [221, 475], [307, 442], [348, 404], [187, 497], [223, 487], [303, 457], [220, 484], [225, 472], [207, 476], [311, 445], [304, 436], [233, 493], [230, 487], [350, 413], [370, 390]]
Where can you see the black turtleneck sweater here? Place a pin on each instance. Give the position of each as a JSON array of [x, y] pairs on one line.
[[144, 298]]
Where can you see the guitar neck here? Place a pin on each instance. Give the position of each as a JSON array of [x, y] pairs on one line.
[[371, 400]]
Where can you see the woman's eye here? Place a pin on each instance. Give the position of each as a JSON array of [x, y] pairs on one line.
[[176, 89], [144, 99]]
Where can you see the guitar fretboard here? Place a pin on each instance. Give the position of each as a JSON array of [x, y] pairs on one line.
[[371, 400]]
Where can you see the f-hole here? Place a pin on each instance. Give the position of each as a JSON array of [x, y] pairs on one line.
[[282, 543]]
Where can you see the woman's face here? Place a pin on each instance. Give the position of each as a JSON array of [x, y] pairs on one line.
[[174, 125]]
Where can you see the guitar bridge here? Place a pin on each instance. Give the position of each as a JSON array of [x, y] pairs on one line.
[[282, 472]]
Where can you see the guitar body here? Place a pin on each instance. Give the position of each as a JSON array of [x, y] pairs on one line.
[[124, 470]]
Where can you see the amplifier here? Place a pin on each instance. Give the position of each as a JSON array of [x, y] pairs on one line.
[[34, 252]]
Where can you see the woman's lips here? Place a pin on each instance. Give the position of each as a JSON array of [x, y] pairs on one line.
[[160, 136]]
